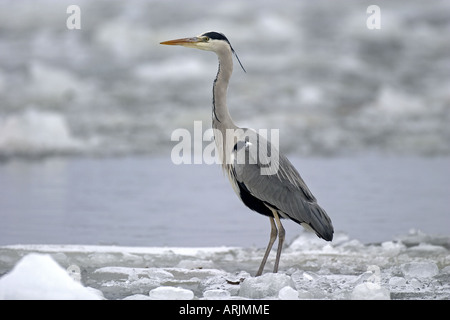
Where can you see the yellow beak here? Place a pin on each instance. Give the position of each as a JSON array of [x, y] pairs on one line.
[[186, 42]]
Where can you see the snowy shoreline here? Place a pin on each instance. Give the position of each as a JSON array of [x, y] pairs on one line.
[[414, 266]]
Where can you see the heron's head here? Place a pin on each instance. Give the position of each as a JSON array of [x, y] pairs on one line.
[[209, 41]]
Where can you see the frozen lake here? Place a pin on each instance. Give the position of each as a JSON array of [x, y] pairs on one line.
[[414, 266], [318, 73]]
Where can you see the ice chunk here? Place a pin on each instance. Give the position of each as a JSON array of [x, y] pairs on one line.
[[419, 238], [267, 285], [310, 276], [216, 294], [392, 248], [446, 270], [288, 293], [196, 264], [376, 273], [136, 273], [397, 282], [370, 291], [137, 297], [422, 269], [307, 241], [75, 272], [37, 131], [171, 293], [424, 249], [415, 284], [369, 287], [373, 274], [304, 294], [227, 282], [38, 276]]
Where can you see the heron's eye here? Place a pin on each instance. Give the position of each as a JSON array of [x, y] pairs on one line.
[[205, 39]]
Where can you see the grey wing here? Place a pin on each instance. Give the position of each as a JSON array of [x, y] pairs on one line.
[[283, 190]]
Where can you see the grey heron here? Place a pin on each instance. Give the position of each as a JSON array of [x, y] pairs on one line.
[[280, 194]]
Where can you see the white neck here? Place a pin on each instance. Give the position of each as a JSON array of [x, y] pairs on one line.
[[221, 116]]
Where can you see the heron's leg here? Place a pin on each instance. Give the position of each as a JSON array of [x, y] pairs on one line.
[[273, 236], [281, 234]]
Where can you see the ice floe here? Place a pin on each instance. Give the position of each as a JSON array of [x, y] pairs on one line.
[[415, 266]]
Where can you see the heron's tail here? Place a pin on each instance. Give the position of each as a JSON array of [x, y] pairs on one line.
[[320, 222]]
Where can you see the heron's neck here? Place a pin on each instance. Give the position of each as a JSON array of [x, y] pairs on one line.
[[220, 114]]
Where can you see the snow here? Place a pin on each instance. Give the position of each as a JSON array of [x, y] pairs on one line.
[[414, 266], [288, 293], [422, 269], [370, 291], [267, 285], [38, 276], [171, 293]]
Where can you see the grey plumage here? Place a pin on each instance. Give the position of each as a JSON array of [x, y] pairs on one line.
[[284, 191], [278, 194]]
